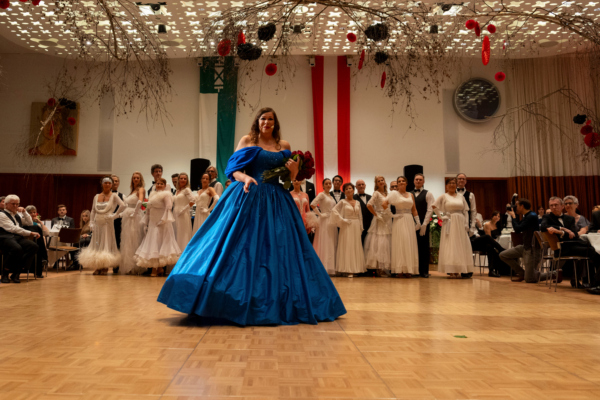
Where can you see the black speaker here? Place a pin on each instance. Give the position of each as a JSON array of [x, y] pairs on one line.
[[198, 167], [409, 172]]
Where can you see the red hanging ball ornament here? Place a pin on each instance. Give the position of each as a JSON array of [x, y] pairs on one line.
[[592, 140], [491, 28], [23, 1], [383, 76], [351, 37], [362, 60], [241, 38], [588, 122], [271, 69], [500, 76], [71, 121], [224, 47], [485, 51], [51, 102], [477, 30], [586, 129], [4, 4], [35, 2], [470, 24]]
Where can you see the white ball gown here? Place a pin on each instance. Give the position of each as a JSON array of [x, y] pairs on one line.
[[350, 257], [405, 251], [183, 220], [326, 235], [379, 236], [202, 208], [159, 248], [102, 251], [456, 254], [132, 233]]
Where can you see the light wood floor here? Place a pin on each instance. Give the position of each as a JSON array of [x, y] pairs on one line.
[[88, 337]]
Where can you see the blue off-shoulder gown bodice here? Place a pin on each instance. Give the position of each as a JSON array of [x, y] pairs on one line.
[[251, 261]]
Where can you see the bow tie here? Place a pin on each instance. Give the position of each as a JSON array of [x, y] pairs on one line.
[[460, 190], [153, 182], [61, 219], [418, 190], [337, 191]]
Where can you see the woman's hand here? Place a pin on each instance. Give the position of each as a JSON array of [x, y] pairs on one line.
[[293, 166], [85, 235], [247, 181]]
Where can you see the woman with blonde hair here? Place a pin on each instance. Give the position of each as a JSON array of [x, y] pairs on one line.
[[132, 229], [183, 200], [379, 236]]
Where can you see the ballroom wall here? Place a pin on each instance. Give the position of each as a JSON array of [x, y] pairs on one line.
[[380, 140]]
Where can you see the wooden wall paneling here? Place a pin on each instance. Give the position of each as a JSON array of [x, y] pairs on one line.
[[491, 194]]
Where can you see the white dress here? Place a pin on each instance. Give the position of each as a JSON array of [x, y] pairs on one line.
[[183, 221], [159, 248], [456, 254], [202, 209], [326, 235], [103, 251], [132, 232], [405, 251], [379, 237], [349, 256]]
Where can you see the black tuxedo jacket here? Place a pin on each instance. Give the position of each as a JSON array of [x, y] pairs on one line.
[[595, 225], [367, 217], [551, 221], [70, 221], [341, 198], [310, 191]]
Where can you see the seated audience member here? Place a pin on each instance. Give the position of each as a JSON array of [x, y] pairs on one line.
[[86, 230], [62, 218], [582, 223], [32, 211], [491, 227], [2, 202], [540, 213], [18, 250], [41, 229], [486, 241], [595, 224], [596, 208], [526, 223], [563, 226]]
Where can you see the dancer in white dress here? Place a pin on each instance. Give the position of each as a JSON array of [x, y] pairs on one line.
[[103, 253], [132, 229], [349, 258], [183, 200], [203, 198], [379, 236], [159, 248], [326, 235], [456, 254], [405, 251]]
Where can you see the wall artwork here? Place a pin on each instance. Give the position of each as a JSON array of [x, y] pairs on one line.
[[60, 134]]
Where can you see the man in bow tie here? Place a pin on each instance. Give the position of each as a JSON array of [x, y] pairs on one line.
[[337, 193], [157, 170], [424, 203], [363, 199], [62, 218], [393, 186], [461, 182]]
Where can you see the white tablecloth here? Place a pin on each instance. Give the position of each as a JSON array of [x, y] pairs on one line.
[[504, 241], [593, 239]]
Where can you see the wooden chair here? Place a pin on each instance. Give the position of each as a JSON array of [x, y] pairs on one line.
[[68, 236], [555, 245], [516, 239], [545, 257], [479, 255]]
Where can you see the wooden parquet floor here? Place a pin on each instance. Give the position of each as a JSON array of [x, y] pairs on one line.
[[85, 337]]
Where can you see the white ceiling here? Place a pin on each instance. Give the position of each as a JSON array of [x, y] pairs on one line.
[[33, 28]]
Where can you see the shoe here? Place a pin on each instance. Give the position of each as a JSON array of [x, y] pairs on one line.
[[147, 272], [424, 275], [493, 274], [467, 275], [595, 290], [115, 270], [15, 279], [573, 283], [350, 276], [5, 279], [40, 276], [519, 278]]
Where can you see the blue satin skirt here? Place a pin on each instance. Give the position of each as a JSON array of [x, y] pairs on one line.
[[251, 263]]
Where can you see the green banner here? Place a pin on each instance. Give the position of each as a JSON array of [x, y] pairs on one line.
[[219, 75]]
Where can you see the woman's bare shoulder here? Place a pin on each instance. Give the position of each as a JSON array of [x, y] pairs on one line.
[[285, 145]]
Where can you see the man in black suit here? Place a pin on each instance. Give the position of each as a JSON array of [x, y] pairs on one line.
[[595, 225], [337, 193], [363, 199], [563, 226], [117, 221], [62, 218], [424, 203]]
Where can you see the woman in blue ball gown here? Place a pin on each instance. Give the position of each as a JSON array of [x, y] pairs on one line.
[[251, 261]]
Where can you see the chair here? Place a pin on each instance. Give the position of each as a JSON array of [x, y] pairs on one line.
[[516, 239], [68, 236], [544, 246], [555, 245], [479, 254]]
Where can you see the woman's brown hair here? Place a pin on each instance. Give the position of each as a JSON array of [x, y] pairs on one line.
[[255, 130]]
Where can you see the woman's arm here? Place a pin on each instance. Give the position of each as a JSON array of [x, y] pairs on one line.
[[141, 193], [242, 177], [168, 201], [487, 228]]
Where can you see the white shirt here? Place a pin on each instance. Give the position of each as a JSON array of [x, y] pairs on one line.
[[472, 211], [11, 227], [218, 187], [363, 197], [337, 195], [430, 199]]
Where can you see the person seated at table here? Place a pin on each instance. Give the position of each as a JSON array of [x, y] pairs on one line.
[[595, 224], [564, 227], [35, 217], [488, 240], [540, 213], [582, 223], [491, 227], [62, 218]]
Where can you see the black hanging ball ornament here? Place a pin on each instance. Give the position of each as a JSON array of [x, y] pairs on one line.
[[377, 32], [381, 57], [266, 32], [248, 52], [580, 119]]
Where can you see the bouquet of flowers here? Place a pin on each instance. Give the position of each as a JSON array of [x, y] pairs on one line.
[[306, 169], [435, 232], [144, 204]]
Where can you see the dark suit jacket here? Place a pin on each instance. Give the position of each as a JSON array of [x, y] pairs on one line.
[[595, 225], [367, 217], [310, 191], [551, 220], [69, 220], [341, 198]]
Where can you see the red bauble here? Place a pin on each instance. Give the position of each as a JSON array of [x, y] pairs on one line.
[[491, 28], [383, 76], [224, 47], [586, 129], [362, 60], [588, 122], [23, 1], [477, 30], [271, 69], [71, 121], [4, 4], [470, 24], [485, 51], [241, 38], [35, 2], [351, 37], [592, 140], [500, 76], [51, 102]]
